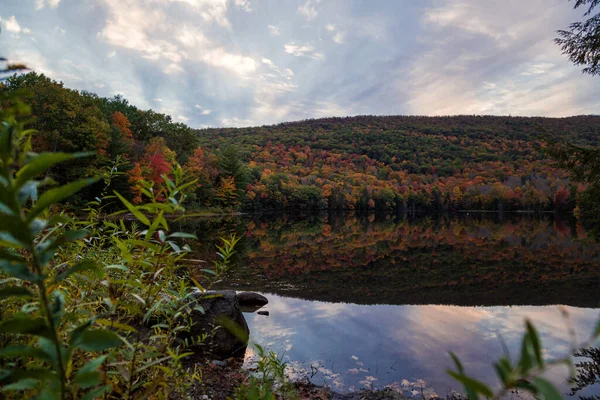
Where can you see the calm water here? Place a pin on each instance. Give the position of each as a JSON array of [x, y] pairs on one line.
[[370, 302]]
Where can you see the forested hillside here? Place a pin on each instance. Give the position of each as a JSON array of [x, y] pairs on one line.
[[477, 162], [363, 163]]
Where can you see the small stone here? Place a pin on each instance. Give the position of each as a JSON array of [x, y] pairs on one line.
[[263, 313]]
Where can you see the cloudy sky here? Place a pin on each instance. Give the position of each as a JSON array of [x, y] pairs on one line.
[[254, 62]]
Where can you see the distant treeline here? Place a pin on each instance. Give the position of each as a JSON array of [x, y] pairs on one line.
[[361, 163], [373, 162]]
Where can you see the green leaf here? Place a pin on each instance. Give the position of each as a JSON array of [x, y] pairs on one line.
[[58, 194], [42, 163], [97, 340], [23, 384], [95, 393], [134, 210], [535, 343], [472, 386], [18, 270], [233, 328], [526, 360], [49, 349], [48, 248], [457, 362], [16, 375], [116, 325], [28, 191], [597, 330], [182, 235], [504, 370], [15, 291], [93, 365], [547, 389], [154, 225], [87, 265], [23, 351], [27, 326], [88, 379]]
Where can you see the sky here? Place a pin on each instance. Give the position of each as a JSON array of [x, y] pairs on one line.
[[254, 62]]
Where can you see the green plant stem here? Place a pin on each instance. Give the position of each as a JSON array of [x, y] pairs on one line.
[[49, 317], [132, 365]]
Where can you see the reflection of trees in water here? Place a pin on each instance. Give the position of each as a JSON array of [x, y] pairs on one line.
[[381, 258], [588, 371]]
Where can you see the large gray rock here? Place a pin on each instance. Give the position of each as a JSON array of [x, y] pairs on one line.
[[222, 313], [250, 301]]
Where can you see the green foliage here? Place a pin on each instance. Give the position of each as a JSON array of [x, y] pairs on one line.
[[93, 307], [525, 375], [269, 381], [30, 238], [580, 43]]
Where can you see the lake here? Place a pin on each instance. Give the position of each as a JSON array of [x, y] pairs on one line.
[[378, 301]]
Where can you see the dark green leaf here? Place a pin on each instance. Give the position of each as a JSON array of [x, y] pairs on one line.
[[233, 328], [23, 351], [97, 340], [17, 270], [182, 235], [526, 359], [88, 379], [93, 365], [58, 194], [547, 389], [457, 362], [83, 266], [28, 191], [15, 291], [134, 210], [535, 343], [23, 384], [15, 375], [95, 393], [504, 370], [27, 326], [472, 385], [42, 163]]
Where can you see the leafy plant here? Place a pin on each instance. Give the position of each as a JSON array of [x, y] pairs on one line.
[[525, 375], [45, 339], [269, 381]]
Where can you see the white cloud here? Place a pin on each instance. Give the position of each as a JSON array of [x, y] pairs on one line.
[[210, 10], [506, 63], [39, 4], [203, 111], [339, 37], [330, 27], [235, 122], [243, 5], [12, 25], [309, 9], [159, 38], [274, 30], [182, 118], [304, 50]]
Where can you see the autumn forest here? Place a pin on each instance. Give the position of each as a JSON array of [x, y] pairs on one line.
[[382, 163]]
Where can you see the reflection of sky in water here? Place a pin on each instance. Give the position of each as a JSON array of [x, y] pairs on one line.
[[348, 346]]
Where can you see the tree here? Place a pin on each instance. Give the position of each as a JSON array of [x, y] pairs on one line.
[[230, 165], [581, 42]]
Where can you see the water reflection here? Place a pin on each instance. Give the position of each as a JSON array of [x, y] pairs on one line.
[[477, 259], [368, 301], [349, 346]]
